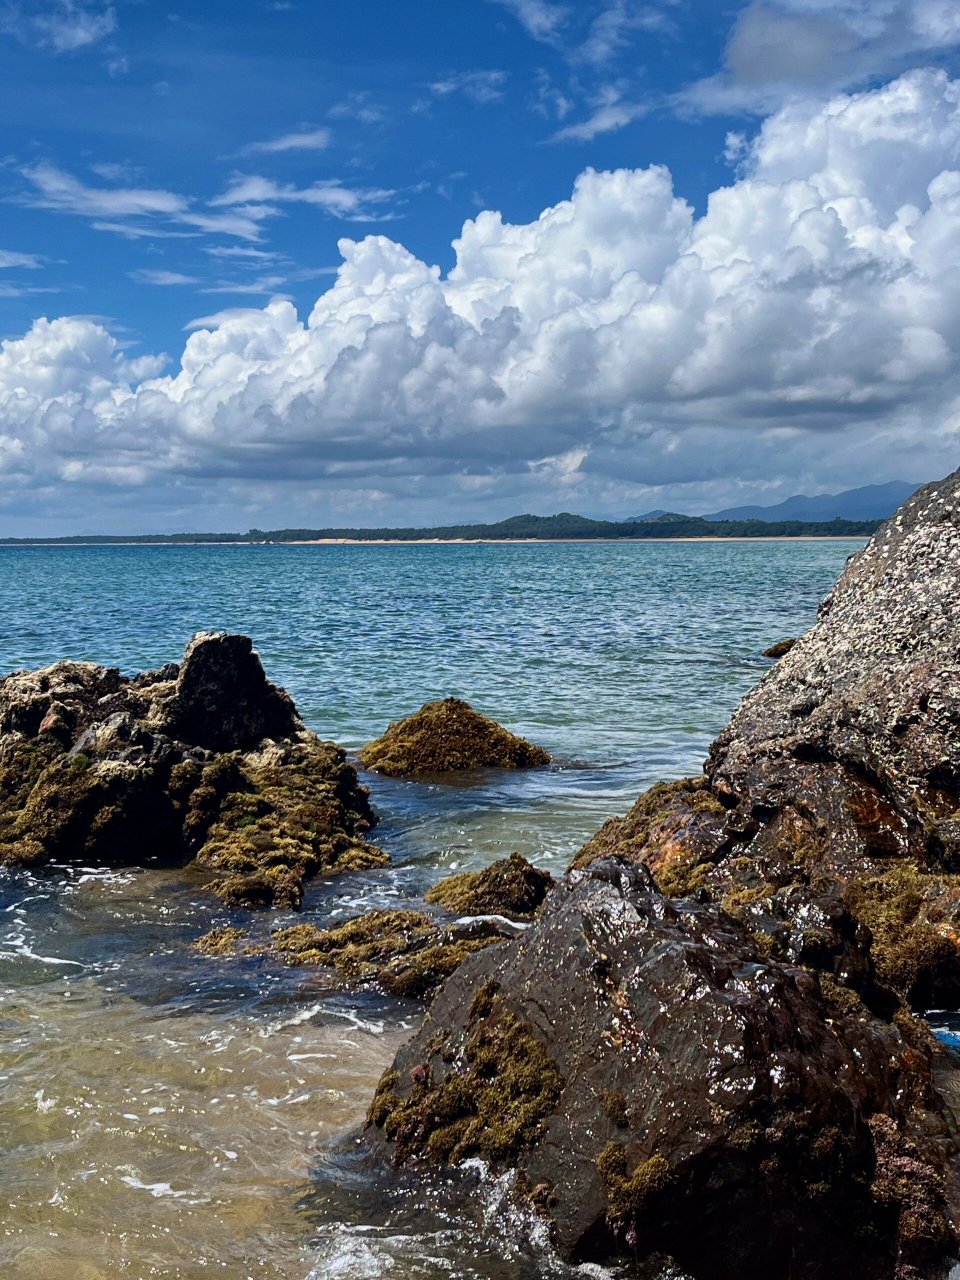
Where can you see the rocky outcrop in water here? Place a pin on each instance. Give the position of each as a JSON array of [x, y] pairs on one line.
[[511, 887], [203, 760], [406, 952], [703, 1045], [448, 737], [833, 797]]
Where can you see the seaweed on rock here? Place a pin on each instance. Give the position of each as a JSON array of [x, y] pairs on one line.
[[448, 736], [511, 887]]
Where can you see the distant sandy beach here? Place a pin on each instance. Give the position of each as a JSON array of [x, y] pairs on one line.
[[446, 542]]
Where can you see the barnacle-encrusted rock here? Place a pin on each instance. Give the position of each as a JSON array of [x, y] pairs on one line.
[[448, 736], [206, 759], [831, 802]]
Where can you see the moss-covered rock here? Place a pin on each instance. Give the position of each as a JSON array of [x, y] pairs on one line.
[[671, 829], [512, 887], [406, 953], [676, 1091], [908, 947], [448, 736], [204, 760], [225, 941], [488, 1098], [289, 813]]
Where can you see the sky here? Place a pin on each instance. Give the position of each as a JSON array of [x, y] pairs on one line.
[[364, 262]]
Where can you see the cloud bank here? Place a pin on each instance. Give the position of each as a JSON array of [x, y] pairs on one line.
[[806, 326], [778, 47]]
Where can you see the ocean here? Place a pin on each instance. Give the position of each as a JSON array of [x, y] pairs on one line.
[[169, 1115]]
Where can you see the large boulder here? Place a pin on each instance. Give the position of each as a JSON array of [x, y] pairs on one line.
[[448, 736], [662, 1087], [704, 1045], [836, 785], [204, 760]]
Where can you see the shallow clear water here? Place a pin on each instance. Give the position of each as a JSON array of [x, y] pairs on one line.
[[167, 1115]]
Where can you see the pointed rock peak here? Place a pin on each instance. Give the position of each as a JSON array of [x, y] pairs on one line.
[[223, 700]]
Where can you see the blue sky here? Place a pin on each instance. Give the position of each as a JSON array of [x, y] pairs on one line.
[[169, 173]]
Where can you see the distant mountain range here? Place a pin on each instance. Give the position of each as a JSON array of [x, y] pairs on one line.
[[869, 502]]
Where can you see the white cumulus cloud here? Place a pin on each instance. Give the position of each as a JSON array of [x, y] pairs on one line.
[[806, 326]]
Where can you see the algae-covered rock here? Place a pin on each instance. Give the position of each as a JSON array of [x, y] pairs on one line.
[[406, 953], [780, 648], [448, 736], [512, 887], [205, 760], [662, 1087]]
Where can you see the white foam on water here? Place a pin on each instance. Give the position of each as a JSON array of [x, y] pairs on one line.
[[17, 945], [159, 1190]]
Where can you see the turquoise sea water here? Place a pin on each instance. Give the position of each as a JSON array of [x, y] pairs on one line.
[[165, 1111]]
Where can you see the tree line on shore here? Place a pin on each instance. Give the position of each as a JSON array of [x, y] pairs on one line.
[[557, 527]]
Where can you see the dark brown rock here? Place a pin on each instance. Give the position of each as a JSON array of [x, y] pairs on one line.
[[222, 700], [667, 1088], [780, 648], [448, 737], [205, 760]]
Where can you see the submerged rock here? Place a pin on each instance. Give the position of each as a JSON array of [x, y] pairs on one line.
[[732, 1075], [204, 760], [448, 736], [406, 952]]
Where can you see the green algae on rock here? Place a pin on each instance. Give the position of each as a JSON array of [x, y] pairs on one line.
[[406, 953], [488, 1095], [448, 736], [203, 760], [512, 887]]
